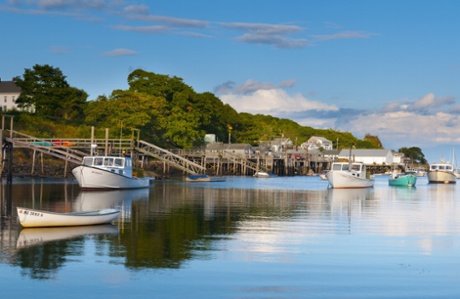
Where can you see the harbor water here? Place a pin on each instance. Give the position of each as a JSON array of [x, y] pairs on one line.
[[278, 237]]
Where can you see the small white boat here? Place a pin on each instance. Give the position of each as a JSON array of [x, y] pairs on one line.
[[323, 176], [349, 175], [416, 172], [107, 172], [261, 174], [204, 178], [442, 173], [38, 218]]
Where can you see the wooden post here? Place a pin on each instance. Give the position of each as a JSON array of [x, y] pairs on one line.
[[106, 141], [92, 140], [33, 162], [1, 152]]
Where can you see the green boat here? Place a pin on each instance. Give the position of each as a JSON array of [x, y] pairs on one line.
[[407, 180]]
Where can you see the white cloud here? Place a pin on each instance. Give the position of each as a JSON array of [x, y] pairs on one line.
[[273, 101], [120, 52]]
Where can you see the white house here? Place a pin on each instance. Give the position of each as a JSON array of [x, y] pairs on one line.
[[280, 144], [316, 142], [369, 156], [9, 93]]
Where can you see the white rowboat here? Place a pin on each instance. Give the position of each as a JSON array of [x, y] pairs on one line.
[[39, 218]]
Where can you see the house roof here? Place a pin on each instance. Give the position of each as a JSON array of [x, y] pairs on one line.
[[226, 146], [319, 138], [365, 152], [9, 87]]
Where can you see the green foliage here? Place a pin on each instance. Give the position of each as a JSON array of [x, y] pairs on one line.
[[168, 113], [45, 91], [414, 153]]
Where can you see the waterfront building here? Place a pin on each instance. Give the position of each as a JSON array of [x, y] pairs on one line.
[[9, 93]]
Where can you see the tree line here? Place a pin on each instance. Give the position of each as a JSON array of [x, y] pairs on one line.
[[167, 111]]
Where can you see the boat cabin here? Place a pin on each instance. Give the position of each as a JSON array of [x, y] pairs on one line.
[[355, 169], [119, 165], [442, 167]]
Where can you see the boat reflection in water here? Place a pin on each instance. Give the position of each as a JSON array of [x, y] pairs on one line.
[[38, 236], [95, 200], [343, 199]]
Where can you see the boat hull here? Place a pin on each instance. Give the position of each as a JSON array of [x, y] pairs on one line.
[[204, 178], [441, 177], [38, 218], [261, 174], [408, 180], [344, 180], [91, 178]]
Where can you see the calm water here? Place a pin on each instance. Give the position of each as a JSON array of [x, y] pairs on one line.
[[244, 238]]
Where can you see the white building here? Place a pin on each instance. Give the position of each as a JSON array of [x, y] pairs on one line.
[[316, 142], [370, 156], [9, 93]]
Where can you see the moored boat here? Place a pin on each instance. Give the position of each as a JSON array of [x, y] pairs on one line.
[[261, 174], [349, 175], [203, 178], [39, 218], [441, 173], [108, 172], [403, 179]]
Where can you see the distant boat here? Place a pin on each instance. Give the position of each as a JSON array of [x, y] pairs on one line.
[[261, 174], [403, 179], [323, 176], [203, 178], [349, 175], [442, 173], [38, 218], [108, 172], [417, 172]]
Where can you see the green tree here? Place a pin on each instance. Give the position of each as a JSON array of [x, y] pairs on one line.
[[414, 153], [45, 91], [129, 110]]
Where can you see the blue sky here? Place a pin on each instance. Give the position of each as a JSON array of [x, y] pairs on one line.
[[388, 68]]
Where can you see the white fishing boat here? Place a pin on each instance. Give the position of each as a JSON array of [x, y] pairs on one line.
[[204, 178], [349, 175], [108, 172], [442, 173], [39, 218]]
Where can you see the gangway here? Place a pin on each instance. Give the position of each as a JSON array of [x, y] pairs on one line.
[[166, 156], [68, 150], [244, 162]]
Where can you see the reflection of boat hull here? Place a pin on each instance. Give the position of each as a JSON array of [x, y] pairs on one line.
[[344, 180], [37, 236], [38, 218], [96, 200], [407, 180], [204, 178], [94, 178], [441, 177]]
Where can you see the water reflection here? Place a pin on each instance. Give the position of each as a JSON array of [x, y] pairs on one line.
[[178, 226], [42, 252], [38, 236], [95, 200]]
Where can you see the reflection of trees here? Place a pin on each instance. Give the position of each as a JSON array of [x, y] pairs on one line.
[[43, 261], [179, 221]]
